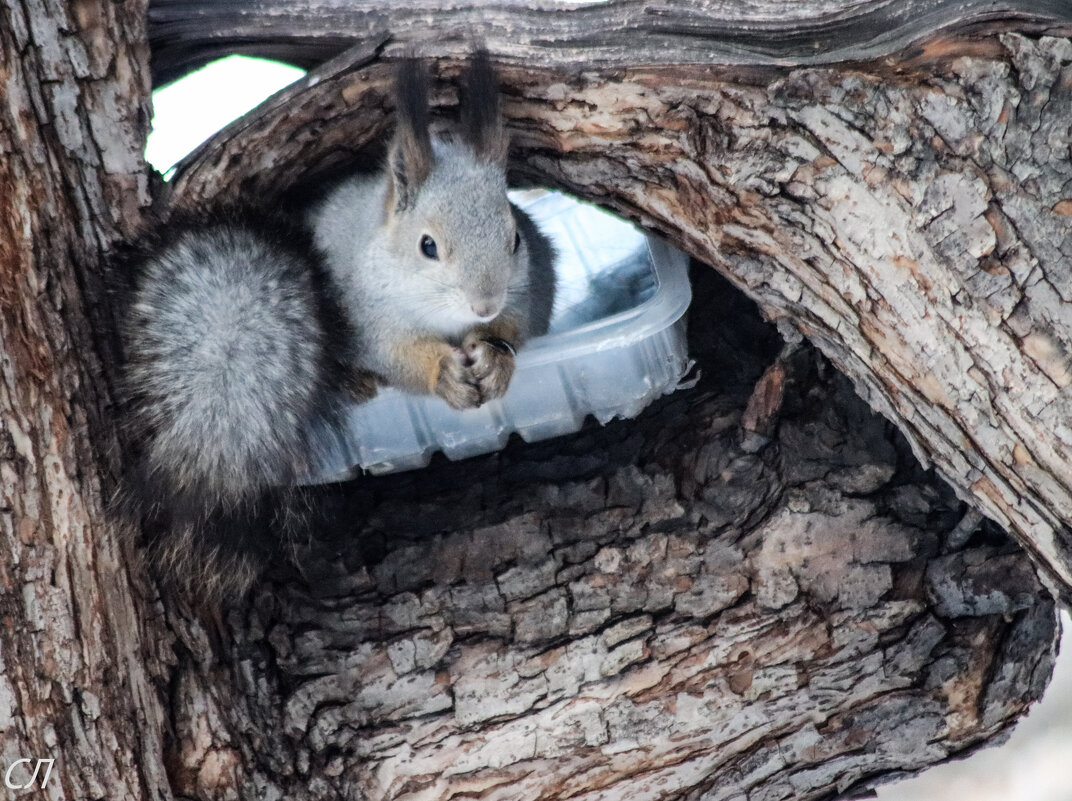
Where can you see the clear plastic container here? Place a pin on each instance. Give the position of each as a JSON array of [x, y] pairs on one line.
[[615, 344]]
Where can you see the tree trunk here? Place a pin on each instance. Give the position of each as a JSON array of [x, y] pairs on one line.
[[752, 590], [82, 654]]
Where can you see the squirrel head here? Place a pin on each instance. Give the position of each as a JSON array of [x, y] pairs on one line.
[[448, 220]]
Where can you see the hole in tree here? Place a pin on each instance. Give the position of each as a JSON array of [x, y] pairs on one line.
[[616, 340], [616, 343]]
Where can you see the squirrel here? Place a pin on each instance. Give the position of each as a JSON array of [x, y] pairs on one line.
[[449, 277], [246, 333]]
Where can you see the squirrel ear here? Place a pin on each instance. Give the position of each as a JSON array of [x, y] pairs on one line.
[[410, 156], [481, 112]]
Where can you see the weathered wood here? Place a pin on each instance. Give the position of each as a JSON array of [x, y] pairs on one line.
[[186, 34], [909, 217], [707, 602], [665, 608], [79, 663]]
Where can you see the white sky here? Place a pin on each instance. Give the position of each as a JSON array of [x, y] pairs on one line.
[[189, 111], [1033, 766]]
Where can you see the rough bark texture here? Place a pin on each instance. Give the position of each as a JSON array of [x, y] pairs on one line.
[[673, 607], [750, 592], [77, 647], [909, 215], [185, 34]]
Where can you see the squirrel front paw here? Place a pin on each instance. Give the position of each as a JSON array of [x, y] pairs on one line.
[[490, 364], [456, 384]]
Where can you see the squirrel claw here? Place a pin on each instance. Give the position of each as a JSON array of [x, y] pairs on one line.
[[455, 384], [491, 367]]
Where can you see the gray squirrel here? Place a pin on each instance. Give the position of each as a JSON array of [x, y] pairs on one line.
[[245, 334], [449, 276]]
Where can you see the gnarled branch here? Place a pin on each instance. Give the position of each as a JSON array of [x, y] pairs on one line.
[[186, 34]]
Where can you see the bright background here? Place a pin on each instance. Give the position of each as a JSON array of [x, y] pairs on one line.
[[189, 111], [1034, 765]]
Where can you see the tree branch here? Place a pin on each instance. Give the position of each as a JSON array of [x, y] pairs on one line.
[[725, 596], [185, 35]]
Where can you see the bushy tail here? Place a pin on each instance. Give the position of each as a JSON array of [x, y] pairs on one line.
[[231, 344]]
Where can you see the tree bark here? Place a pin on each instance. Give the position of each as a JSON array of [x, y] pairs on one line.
[[667, 608], [951, 320], [185, 34], [752, 590], [81, 653]]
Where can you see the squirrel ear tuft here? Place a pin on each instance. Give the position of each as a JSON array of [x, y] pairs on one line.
[[410, 155], [481, 111]]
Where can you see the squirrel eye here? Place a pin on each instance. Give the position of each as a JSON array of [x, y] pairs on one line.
[[517, 241], [428, 247]]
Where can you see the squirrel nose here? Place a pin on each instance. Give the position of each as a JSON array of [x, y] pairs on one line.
[[484, 307]]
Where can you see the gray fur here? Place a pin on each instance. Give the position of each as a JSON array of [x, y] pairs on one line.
[[540, 256], [205, 570], [395, 293], [224, 343]]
